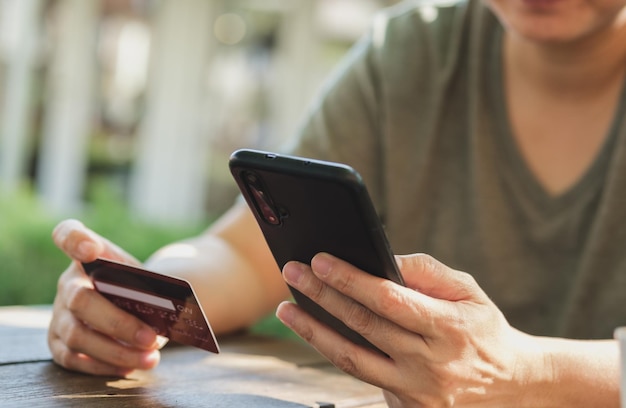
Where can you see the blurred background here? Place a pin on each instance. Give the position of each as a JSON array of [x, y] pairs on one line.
[[123, 113]]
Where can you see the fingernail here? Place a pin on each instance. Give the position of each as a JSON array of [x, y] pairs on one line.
[[293, 272], [284, 313], [322, 264], [145, 338], [161, 341], [59, 233], [151, 359]]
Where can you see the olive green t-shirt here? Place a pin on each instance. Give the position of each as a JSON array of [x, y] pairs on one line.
[[418, 108]]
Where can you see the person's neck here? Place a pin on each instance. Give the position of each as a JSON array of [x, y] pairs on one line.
[[582, 69]]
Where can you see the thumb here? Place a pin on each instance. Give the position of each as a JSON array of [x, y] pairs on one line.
[[83, 245], [427, 275]]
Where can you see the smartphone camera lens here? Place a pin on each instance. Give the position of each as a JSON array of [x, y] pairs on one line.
[[262, 200], [251, 177]]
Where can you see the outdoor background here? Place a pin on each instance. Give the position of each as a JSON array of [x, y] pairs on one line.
[[123, 113]]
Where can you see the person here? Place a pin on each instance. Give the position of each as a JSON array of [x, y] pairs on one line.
[[491, 138]]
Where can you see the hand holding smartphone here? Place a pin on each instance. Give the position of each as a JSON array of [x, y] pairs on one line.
[[305, 207]]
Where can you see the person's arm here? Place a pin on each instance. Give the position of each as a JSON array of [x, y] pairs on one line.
[[448, 344], [582, 373], [229, 266]]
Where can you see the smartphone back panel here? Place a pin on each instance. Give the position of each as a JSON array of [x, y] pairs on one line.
[[307, 206]]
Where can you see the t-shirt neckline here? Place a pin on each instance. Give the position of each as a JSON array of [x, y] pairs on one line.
[[516, 166]]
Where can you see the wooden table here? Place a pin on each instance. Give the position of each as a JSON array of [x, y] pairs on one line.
[[251, 371]]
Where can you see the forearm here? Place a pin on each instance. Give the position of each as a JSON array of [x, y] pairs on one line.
[[230, 269], [576, 373]]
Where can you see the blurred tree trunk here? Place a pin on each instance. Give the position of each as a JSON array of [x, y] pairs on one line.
[[71, 98], [169, 180], [21, 21]]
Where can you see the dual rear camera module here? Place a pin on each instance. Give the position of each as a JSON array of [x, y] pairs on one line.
[[266, 207]]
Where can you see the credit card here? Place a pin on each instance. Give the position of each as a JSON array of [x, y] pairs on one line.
[[169, 305]]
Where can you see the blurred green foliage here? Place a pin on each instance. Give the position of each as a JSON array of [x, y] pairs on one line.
[[30, 263]]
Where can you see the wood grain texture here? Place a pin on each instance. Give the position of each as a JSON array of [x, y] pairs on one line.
[[251, 371]]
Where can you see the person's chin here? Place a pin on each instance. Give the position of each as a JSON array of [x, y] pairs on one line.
[[546, 31], [541, 21]]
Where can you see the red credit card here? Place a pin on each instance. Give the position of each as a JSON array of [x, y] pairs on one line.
[[169, 305]]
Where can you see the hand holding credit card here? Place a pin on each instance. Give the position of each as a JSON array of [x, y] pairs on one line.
[[169, 305]]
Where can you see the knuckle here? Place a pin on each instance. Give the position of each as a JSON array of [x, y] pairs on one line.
[[317, 290], [391, 301], [466, 280], [78, 297], [457, 329], [430, 322], [73, 336], [360, 319], [346, 362], [61, 283], [65, 279], [119, 323], [345, 284], [466, 285], [64, 358], [428, 262]]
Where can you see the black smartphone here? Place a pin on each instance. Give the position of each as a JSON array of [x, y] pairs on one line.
[[305, 207]]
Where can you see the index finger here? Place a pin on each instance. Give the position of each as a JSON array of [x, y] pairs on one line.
[[410, 309], [82, 244], [76, 240]]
